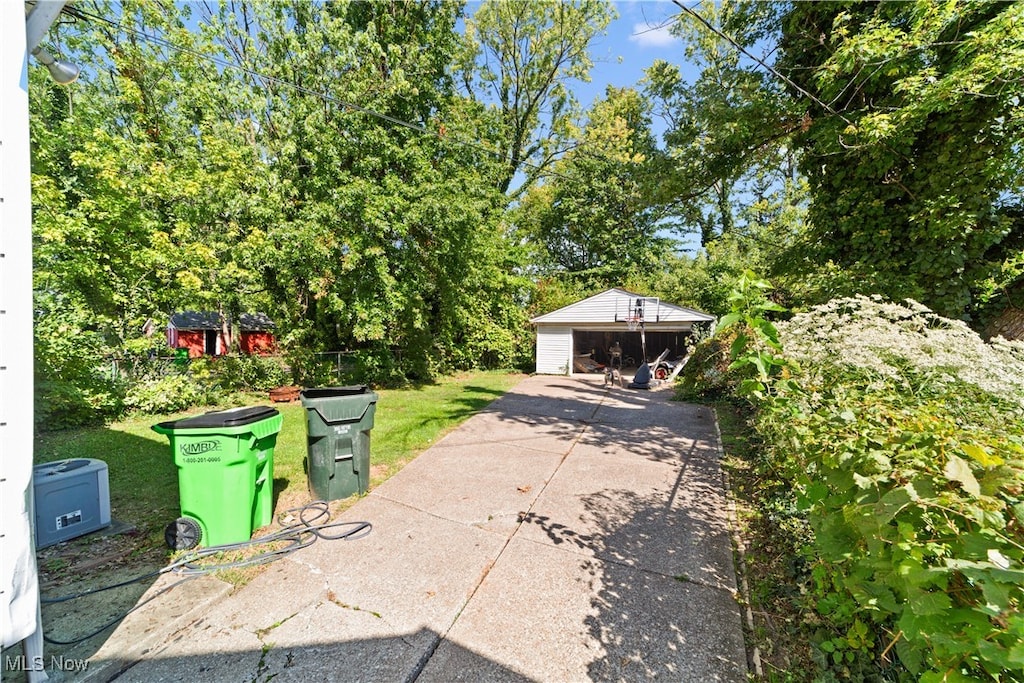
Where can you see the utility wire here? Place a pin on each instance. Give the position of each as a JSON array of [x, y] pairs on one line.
[[775, 72], [419, 128]]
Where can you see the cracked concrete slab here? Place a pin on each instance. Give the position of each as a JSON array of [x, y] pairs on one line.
[[416, 570], [312, 647], [669, 519], [547, 614], [568, 532], [175, 605], [488, 487]]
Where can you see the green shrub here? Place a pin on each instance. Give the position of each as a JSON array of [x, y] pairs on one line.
[[73, 385], [168, 394], [742, 356], [310, 369], [906, 447], [902, 434], [379, 367], [706, 374], [63, 404], [252, 373]]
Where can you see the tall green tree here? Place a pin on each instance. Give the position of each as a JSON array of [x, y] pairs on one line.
[[301, 159], [593, 217], [144, 178], [387, 240], [522, 57], [141, 192], [727, 133], [912, 141]]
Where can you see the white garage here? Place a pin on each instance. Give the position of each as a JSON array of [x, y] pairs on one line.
[[579, 334]]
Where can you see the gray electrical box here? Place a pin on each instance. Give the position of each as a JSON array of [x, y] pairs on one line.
[[72, 498]]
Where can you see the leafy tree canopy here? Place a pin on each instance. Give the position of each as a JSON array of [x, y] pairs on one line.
[[593, 218], [522, 56], [912, 142]]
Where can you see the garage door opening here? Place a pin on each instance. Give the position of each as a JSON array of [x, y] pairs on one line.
[[598, 343]]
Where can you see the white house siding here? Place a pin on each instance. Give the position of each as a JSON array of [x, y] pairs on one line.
[[554, 349], [19, 584]]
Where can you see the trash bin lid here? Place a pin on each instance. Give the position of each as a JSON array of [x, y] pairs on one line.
[[233, 417], [339, 404], [333, 392]]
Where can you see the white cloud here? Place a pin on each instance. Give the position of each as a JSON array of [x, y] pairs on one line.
[[646, 35]]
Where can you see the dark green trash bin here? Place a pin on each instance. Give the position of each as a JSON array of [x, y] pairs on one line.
[[338, 424]]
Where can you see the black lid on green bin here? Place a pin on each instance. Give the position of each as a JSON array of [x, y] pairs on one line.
[[233, 417]]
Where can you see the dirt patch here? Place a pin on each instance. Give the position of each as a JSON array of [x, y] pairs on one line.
[[288, 500], [83, 558], [781, 631]]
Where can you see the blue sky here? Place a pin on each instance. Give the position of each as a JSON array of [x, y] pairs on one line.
[[638, 37]]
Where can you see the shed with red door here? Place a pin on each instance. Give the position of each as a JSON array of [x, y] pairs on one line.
[[206, 333]]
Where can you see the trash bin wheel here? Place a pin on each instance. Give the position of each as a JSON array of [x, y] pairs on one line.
[[183, 533]]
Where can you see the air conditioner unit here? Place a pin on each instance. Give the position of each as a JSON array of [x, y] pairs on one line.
[[72, 499]]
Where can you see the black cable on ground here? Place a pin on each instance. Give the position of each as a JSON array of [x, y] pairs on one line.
[[115, 620], [91, 591], [294, 535]]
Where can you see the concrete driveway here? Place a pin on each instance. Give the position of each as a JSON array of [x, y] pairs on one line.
[[568, 532]]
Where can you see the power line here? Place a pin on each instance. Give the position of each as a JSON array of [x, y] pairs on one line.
[[327, 97], [778, 74], [652, 28], [419, 128]]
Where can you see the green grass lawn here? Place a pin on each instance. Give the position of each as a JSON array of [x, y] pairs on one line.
[[144, 479]]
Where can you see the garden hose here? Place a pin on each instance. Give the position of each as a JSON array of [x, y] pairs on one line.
[[298, 531]]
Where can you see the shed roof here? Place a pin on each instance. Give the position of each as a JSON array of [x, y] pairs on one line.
[[610, 306], [211, 320]]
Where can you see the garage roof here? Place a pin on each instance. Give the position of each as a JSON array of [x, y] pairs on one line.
[[611, 306], [212, 320]]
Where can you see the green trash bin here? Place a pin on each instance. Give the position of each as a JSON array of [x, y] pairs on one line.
[[225, 461], [338, 424]]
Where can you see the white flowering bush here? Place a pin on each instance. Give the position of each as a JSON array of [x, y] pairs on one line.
[[904, 438], [885, 343]]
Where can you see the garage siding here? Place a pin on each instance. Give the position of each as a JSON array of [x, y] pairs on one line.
[[553, 349]]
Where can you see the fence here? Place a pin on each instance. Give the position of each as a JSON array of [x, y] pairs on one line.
[[339, 364], [342, 363]]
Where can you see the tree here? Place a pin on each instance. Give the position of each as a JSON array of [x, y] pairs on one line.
[[141, 197], [593, 216], [288, 158], [912, 140], [523, 55], [144, 188], [386, 241], [727, 130]]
